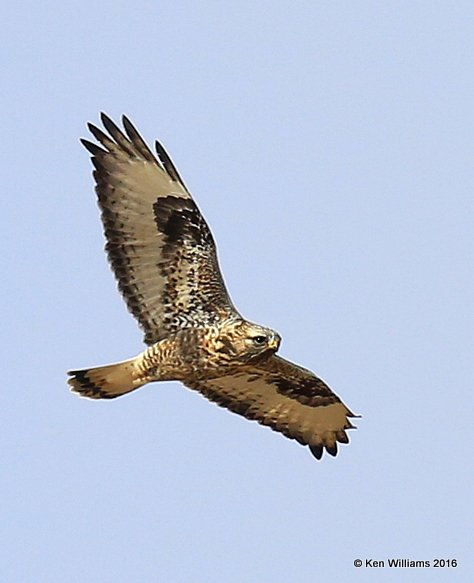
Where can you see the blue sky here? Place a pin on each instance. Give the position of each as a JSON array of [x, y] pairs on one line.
[[330, 147]]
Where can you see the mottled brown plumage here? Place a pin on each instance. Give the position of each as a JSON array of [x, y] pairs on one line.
[[164, 258]]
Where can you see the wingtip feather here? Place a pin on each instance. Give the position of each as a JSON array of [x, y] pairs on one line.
[[91, 147], [317, 451]]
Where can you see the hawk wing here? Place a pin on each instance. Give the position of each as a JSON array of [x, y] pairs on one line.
[[158, 244], [285, 397]]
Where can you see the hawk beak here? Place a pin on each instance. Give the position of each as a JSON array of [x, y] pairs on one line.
[[274, 343]]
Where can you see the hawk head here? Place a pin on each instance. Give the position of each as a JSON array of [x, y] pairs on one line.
[[246, 341]]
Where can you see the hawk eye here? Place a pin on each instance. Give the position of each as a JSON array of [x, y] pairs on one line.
[[259, 340]]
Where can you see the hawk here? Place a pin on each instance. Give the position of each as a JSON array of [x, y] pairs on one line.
[[164, 259]]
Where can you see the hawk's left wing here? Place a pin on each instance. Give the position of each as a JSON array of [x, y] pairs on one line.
[[285, 397], [158, 243]]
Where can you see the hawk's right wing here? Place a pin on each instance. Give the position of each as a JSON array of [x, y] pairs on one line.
[[158, 243], [286, 397]]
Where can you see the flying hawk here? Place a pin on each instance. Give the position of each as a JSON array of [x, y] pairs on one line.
[[164, 258]]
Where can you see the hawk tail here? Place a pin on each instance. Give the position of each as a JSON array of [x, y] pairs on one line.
[[107, 382]]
